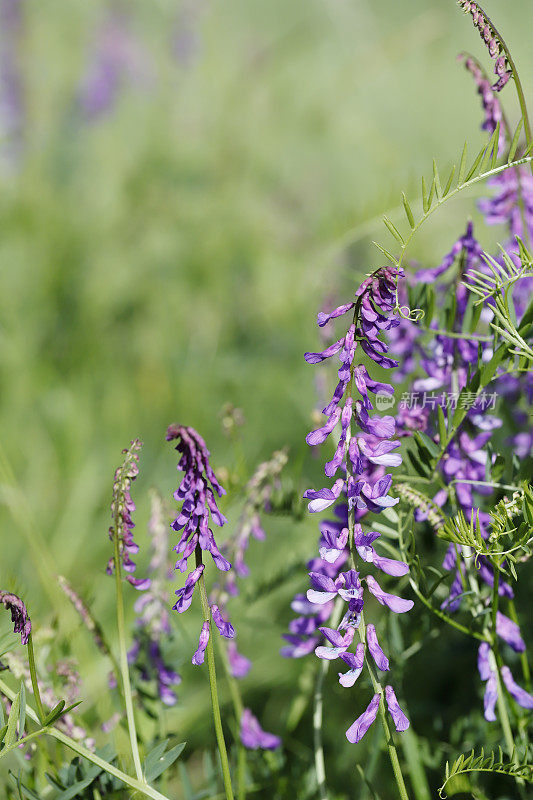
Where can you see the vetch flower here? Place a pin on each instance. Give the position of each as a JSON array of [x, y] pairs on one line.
[[355, 663], [198, 657], [253, 736], [396, 604], [357, 730], [239, 665], [401, 723], [340, 643], [522, 697], [382, 662], [509, 632]]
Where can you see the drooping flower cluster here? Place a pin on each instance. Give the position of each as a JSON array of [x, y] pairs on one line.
[[489, 100], [19, 614], [122, 508], [487, 668], [153, 621], [490, 37], [196, 493], [362, 457]]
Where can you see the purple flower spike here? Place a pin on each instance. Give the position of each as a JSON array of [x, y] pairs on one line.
[[382, 662], [198, 657], [19, 615], [401, 722], [239, 665], [253, 736], [509, 632], [356, 731], [355, 662], [396, 604], [491, 697], [522, 697], [225, 628], [196, 493], [340, 643]]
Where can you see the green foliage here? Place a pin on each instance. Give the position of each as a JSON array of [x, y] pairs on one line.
[[493, 763]]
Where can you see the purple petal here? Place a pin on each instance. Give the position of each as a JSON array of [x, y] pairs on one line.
[[398, 717], [382, 662], [396, 604], [522, 697], [198, 657], [490, 699], [356, 731], [316, 358]]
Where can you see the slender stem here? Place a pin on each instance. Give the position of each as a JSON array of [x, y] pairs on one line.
[[502, 706], [378, 689], [318, 706], [320, 766], [123, 660], [213, 684], [34, 681], [523, 656], [238, 707], [82, 751], [361, 632]]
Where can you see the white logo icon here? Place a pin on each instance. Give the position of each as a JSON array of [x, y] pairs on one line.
[[384, 400]]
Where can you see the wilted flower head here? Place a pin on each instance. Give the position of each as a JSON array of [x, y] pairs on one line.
[[492, 41], [19, 614], [122, 508]]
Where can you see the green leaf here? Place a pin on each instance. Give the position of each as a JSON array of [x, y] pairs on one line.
[[442, 425], [462, 165], [156, 765], [516, 139], [386, 253], [495, 147], [394, 230], [11, 732], [449, 182], [408, 211], [425, 199], [22, 709], [427, 443], [475, 165], [186, 785], [55, 713], [436, 181]]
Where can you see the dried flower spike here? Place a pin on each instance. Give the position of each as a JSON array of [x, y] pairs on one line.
[[122, 508], [19, 615]]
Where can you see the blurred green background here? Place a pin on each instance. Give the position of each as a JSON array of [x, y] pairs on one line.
[[165, 252]]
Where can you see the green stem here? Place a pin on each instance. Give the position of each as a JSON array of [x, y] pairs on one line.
[[238, 708], [378, 689], [82, 751], [213, 684], [123, 660], [318, 705], [502, 706], [523, 656], [34, 681]]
